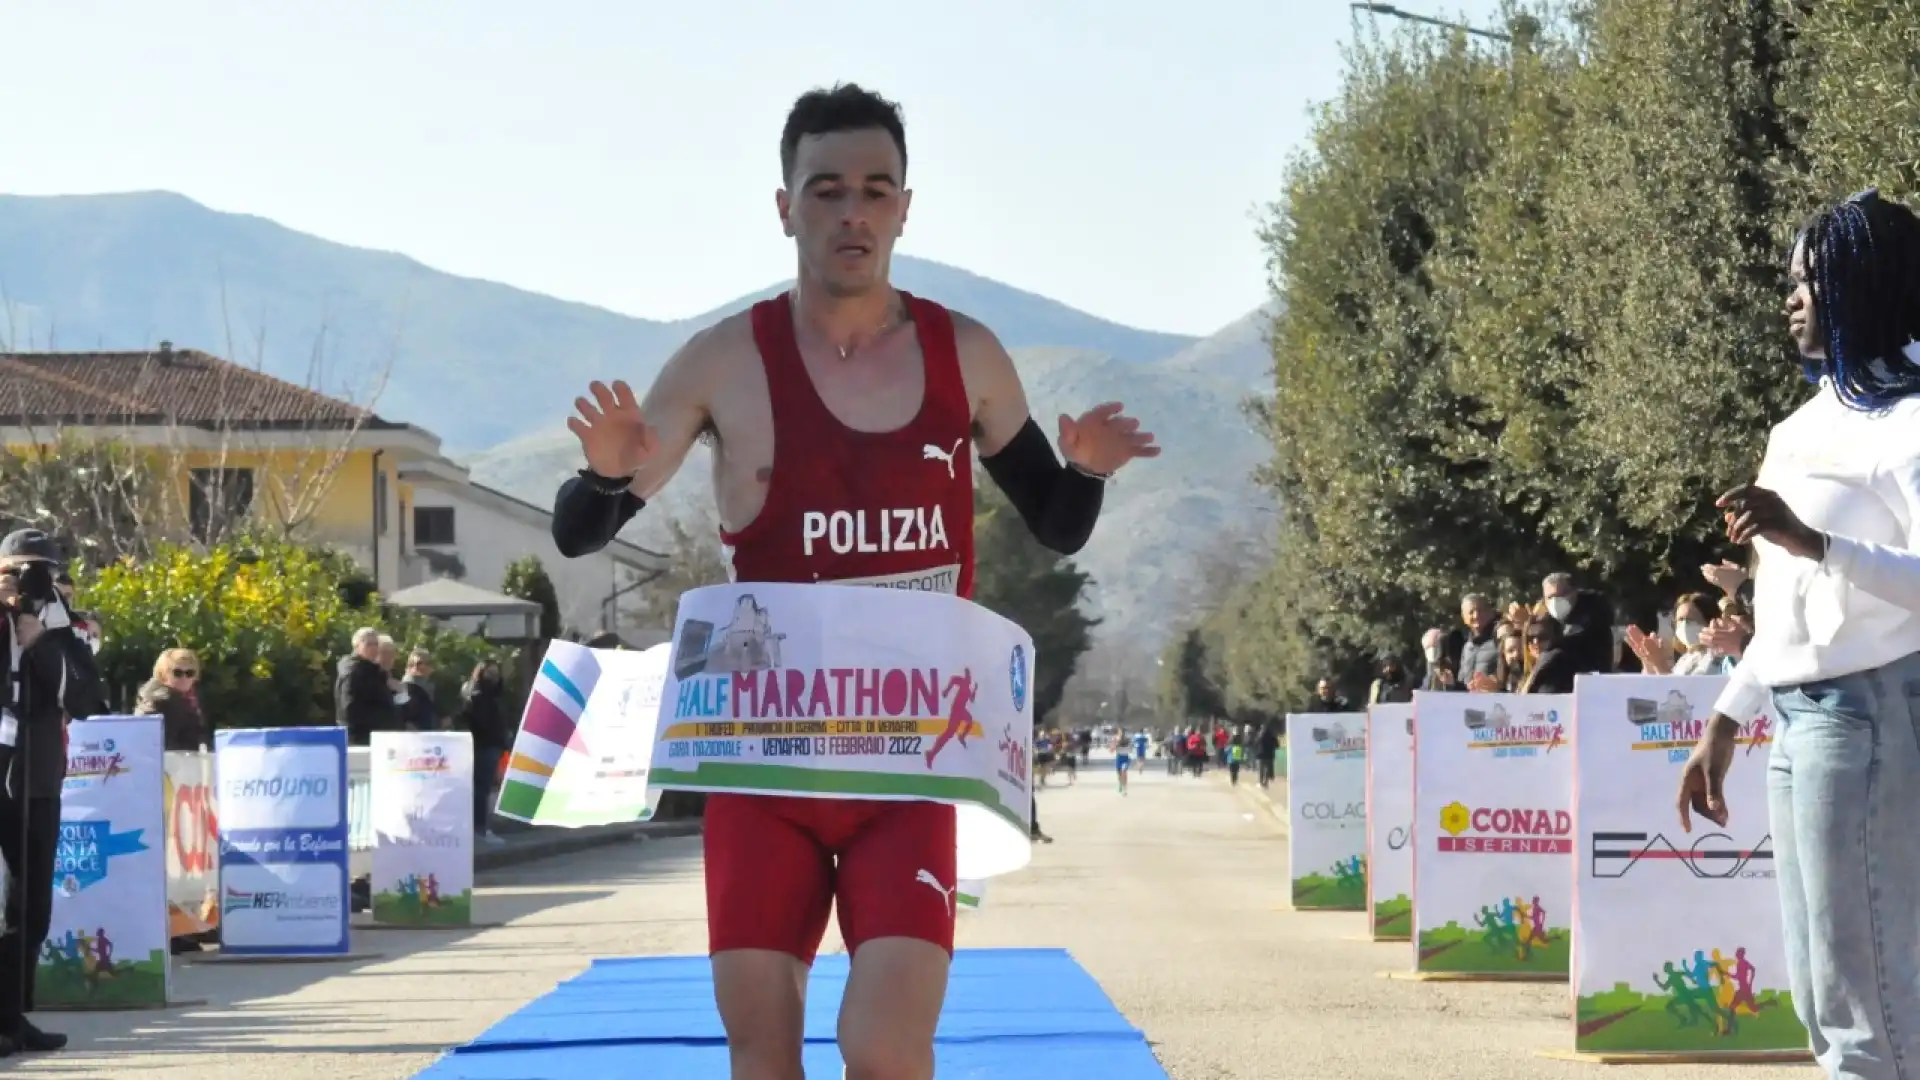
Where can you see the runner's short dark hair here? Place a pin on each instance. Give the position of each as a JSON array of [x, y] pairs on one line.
[[845, 107]]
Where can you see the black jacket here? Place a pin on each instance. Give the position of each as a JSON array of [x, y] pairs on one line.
[[58, 679], [419, 713], [362, 700], [484, 714], [1553, 673], [1588, 632]]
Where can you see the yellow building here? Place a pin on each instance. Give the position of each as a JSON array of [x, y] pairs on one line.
[[232, 443]]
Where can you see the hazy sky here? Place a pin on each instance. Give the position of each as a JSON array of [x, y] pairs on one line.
[[1113, 155]]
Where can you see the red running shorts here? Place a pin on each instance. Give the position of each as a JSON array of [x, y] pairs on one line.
[[776, 864]]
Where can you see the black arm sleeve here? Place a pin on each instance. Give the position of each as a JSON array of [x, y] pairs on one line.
[[1058, 504], [586, 519]]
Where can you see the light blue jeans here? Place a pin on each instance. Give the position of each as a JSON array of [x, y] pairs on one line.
[[1843, 792]]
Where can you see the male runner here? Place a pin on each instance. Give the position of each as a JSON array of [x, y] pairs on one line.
[[1121, 758], [825, 407]]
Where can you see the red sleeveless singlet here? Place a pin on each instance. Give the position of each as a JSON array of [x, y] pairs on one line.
[[892, 508]]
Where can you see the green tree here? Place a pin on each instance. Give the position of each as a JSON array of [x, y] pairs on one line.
[[526, 579], [268, 621], [1021, 580], [1190, 680], [694, 560]]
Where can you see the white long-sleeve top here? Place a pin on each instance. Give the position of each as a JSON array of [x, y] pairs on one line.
[[1856, 477]]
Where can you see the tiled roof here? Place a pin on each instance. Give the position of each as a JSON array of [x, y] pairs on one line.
[[164, 386]]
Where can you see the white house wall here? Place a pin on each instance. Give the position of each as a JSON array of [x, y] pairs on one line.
[[488, 539]]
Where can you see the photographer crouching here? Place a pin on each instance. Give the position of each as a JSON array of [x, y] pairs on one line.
[[51, 676]]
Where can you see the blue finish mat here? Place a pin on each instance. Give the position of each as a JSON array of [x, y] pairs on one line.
[[1010, 1013]]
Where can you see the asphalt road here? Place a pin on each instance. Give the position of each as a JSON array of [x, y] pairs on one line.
[[1173, 897]]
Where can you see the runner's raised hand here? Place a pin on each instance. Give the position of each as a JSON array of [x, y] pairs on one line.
[[1104, 438], [614, 435]]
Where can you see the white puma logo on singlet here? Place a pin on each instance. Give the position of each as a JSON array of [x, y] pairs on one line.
[[930, 452], [926, 878]]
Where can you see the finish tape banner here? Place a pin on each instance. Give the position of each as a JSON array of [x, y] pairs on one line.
[[422, 828], [1493, 834], [1327, 844], [1708, 973], [1390, 822], [586, 739], [283, 841], [855, 692], [108, 943]]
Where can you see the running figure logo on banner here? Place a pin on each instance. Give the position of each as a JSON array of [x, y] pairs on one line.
[[1494, 834], [1709, 975]]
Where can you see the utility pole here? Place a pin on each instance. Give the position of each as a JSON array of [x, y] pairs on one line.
[[1394, 12]]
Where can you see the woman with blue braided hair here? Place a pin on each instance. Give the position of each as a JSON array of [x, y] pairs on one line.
[[1834, 518]]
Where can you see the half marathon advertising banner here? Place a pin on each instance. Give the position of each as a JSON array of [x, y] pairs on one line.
[[1327, 781], [423, 828], [282, 808], [1390, 822], [1708, 974], [1493, 837], [108, 943]]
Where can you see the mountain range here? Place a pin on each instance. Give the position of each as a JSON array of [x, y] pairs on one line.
[[492, 369]]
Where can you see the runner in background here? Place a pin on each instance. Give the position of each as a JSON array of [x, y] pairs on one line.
[[1121, 758]]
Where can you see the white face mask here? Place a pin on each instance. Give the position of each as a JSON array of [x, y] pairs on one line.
[[1688, 633], [1433, 653], [1560, 607]]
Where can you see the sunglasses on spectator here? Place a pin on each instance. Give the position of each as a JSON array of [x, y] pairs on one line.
[[1536, 639], [185, 673]]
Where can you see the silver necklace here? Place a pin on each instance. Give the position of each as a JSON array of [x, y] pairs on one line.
[[885, 327]]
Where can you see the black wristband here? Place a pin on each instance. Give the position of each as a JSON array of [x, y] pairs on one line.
[[605, 485]]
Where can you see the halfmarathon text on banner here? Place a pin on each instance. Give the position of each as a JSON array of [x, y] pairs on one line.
[[1327, 783], [108, 943], [1493, 833], [282, 808], [422, 828], [586, 738], [1708, 975], [851, 692], [1390, 822]]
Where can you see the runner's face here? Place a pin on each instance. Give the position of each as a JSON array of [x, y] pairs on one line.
[[845, 207]]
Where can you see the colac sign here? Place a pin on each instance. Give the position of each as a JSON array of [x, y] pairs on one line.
[[1353, 813], [1505, 830], [80, 860]]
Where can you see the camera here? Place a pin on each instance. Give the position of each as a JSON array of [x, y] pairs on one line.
[[39, 593]]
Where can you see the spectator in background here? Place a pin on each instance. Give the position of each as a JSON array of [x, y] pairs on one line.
[[362, 697], [1554, 667], [1433, 645], [483, 715], [1479, 666], [1327, 699], [1688, 653], [1513, 658], [1443, 678], [1266, 750], [172, 695], [418, 711], [1585, 621], [1392, 685]]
